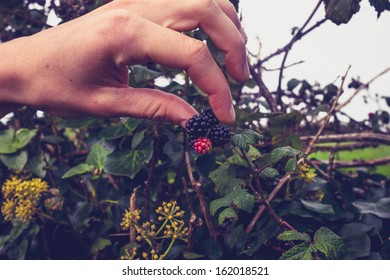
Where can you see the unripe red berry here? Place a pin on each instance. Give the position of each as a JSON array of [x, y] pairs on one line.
[[202, 145]]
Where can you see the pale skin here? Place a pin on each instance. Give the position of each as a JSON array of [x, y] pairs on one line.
[[80, 68]]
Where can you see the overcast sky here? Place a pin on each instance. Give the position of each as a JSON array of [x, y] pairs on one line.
[[363, 43]]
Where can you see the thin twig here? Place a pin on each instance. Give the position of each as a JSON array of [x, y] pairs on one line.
[[309, 148], [357, 162], [264, 90], [362, 136], [359, 89]]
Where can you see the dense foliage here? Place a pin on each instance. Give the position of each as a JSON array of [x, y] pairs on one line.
[[128, 188]]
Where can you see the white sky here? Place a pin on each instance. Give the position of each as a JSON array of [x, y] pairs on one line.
[[363, 43]]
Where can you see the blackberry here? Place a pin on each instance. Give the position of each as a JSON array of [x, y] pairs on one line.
[[220, 135], [206, 126]]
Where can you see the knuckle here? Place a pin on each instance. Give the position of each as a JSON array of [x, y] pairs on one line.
[[198, 51], [114, 20], [202, 6]]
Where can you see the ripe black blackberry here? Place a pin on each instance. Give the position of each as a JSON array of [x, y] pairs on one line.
[[198, 126], [220, 135], [209, 116]]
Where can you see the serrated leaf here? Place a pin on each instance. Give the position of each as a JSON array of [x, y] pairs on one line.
[[78, 170], [328, 243], [237, 159], [128, 163], [293, 235], [317, 207], [341, 11], [225, 180], [219, 203], [381, 208], [299, 252], [100, 244], [281, 152], [246, 138], [97, 156], [15, 161], [291, 165], [244, 200], [227, 213], [269, 173]]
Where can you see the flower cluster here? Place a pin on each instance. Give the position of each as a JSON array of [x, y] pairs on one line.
[[306, 173], [21, 198], [172, 228]]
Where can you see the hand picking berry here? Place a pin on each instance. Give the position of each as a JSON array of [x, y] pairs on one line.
[[206, 126]]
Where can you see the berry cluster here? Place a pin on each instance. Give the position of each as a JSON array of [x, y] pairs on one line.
[[205, 132]]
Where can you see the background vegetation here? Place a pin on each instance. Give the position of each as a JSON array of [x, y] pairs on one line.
[[300, 179]]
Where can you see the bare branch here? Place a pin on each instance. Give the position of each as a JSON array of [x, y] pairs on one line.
[[363, 136], [357, 162]]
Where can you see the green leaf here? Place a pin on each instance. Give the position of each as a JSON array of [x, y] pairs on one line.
[[291, 165], [113, 132], [301, 251], [381, 208], [12, 141], [317, 207], [219, 203], [227, 213], [293, 235], [137, 138], [281, 152], [341, 11], [79, 217], [19, 252], [224, 178], [236, 238], [128, 163], [15, 161], [78, 170], [237, 159], [37, 165], [131, 123], [356, 239], [246, 138], [100, 244], [293, 83], [244, 201], [269, 173], [328, 243], [98, 155], [380, 6]]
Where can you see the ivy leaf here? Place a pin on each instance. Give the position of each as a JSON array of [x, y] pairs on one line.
[[100, 244], [15, 161], [381, 208], [128, 163], [11, 140], [317, 207], [227, 213], [79, 217], [131, 123], [37, 165], [299, 252], [328, 243], [98, 155], [244, 201], [341, 11], [380, 6], [78, 170], [293, 235], [113, 132], [246, 138]]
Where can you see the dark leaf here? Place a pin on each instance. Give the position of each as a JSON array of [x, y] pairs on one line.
[[380, 208], [299, 252], [293, 235], [293, 83], [317, 207], [380, 6], [100, 244], [227, 213], [341, 11], [246, 138], [244, 201], [15, 161]]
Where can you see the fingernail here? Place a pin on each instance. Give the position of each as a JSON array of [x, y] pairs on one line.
[[232, 113], [245, 69]]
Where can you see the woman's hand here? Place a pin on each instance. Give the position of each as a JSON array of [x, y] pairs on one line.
[[79, 68]]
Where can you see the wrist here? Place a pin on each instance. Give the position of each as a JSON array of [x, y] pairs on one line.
[[11, 81]]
